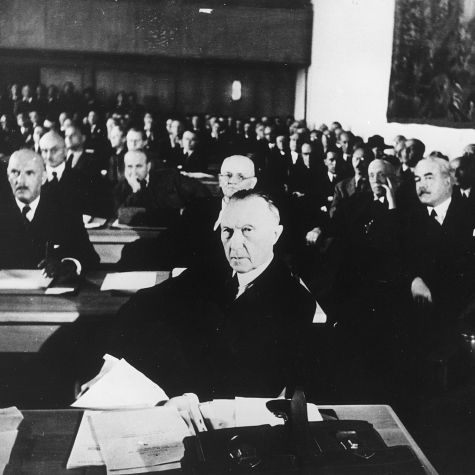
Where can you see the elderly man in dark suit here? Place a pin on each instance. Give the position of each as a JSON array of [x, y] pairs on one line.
[[463, 172], [153, 198], [439, 240], [37, 231], [221, 328]]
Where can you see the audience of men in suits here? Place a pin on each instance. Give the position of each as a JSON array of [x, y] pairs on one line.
[[362, 233]]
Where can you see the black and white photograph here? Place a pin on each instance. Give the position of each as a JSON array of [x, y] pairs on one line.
[[237, 236]]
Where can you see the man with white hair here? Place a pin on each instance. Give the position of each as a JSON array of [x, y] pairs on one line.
[[439, 241], [232, 326]]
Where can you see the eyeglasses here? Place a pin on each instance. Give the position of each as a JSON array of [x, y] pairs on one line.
[[237, 176]]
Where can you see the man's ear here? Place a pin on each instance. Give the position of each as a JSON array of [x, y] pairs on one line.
[[252, 183], [277, 232]]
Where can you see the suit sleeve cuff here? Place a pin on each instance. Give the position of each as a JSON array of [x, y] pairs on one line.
[[76, 263]]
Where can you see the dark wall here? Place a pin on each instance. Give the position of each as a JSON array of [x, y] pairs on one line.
[[165, 85], [166, 28]]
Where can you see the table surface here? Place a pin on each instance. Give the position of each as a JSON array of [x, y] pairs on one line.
[[88, 302], [28, 321], [45, 438]]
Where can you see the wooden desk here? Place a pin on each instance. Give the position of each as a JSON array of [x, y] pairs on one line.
[[109, 242], [27, 321], [46, 437]]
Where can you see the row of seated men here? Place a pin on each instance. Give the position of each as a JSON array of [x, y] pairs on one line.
[[402, 240]]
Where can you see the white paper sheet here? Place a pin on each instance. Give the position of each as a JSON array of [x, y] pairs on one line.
[[86, 450], [122, 387], [23, 279], [253, 411], [140, 440], [129, 281], [10, 419]]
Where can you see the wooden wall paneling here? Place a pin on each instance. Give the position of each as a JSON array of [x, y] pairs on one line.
[[22, 23], [58, 75]]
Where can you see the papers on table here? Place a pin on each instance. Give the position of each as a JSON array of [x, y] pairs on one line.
[[23, 280], [122, 386], [129, 281], [137, 441], [10, 419]]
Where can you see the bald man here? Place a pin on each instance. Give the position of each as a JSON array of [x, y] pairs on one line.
[[33, 222], [153, 198]]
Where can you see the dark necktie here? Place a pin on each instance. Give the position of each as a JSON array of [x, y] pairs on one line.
[[433, 215], [232, 288], [360, 185], [143, 185], [54, 180], [69, 161], [26, 209]]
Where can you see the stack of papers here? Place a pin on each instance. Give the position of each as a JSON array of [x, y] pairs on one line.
[[133, 441], [131, 435], [10, 419]]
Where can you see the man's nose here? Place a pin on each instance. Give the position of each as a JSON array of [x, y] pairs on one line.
[[236, 239]]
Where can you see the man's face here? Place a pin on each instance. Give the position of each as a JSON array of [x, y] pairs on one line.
[[248, 233], [92, 117], [293, 142], [236, 174], [409, 155], [462, 171], [189, 141], [117, 138], [378, 177], [259, 131], [345, 143], [176, 128], [52, 150], [26, 91], [306, 152], [433, 187], [136, 166], [34, 117], [148, 121], [269, 134], [73, 139], [26, 176], [135, 140], [280, 142], [38, 133], [359, 162], [330, 162]]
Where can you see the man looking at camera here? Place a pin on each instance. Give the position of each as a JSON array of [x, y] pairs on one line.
[[37, 231]]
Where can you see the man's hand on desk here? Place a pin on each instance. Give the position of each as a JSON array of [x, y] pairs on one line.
[[56, 268]]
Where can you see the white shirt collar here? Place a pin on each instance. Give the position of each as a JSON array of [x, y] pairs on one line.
[[331, 176], [466, 192], [404, 167], [33, 205], [246, 278], [440, 209], [59, 170]]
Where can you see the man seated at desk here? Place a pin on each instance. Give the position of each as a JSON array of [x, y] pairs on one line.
[[152, 198], [38, 231], [223, 329]]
